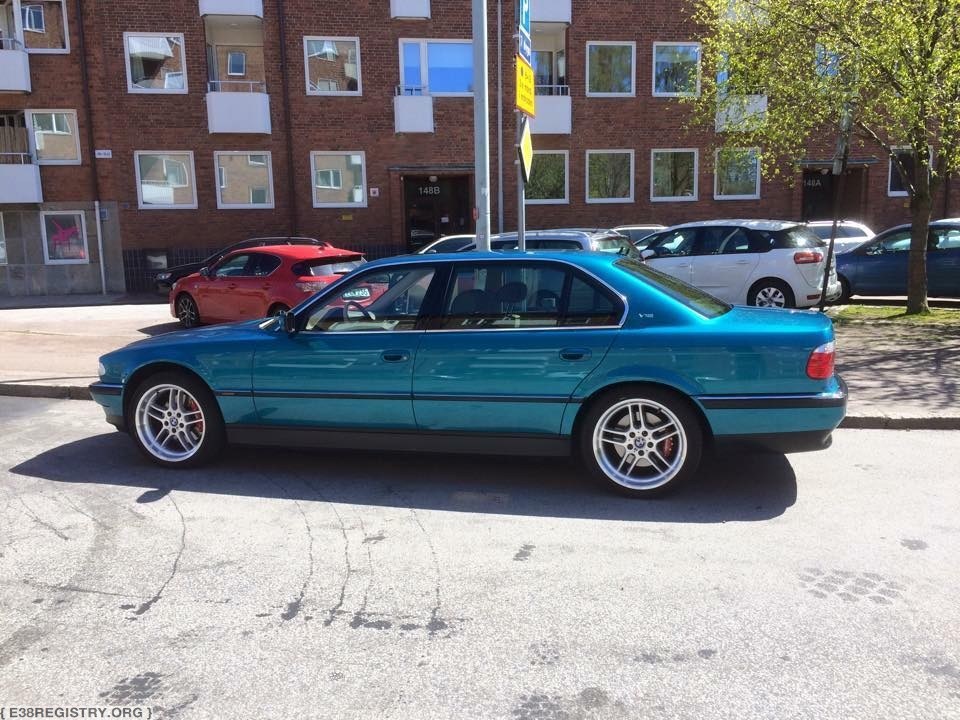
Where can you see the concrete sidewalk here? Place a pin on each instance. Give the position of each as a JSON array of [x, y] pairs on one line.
[[899, 377]]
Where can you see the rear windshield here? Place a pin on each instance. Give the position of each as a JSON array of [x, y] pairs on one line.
[[796, 238], [326, 266], [615, 243], [451, 245], [823, 232], [694, 298]]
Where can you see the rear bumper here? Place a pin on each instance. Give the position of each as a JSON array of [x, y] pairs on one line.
[[791, 442]]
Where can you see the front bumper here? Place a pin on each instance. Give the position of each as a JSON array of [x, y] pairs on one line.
[[110, 397]]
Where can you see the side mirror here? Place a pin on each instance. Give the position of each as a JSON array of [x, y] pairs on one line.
[[205, 271], [648, 253], [289, 322]]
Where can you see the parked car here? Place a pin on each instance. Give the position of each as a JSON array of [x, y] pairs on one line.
[[164, 280], [639, 233], [256, 282], [768, 263], [566, 239], [879, 266], [544, 353], [849, 234], [449, 243]]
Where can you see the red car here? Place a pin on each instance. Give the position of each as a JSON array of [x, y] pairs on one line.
[[257, 282]]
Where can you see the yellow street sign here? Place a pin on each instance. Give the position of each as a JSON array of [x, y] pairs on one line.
[[526, 149], [526, 94]]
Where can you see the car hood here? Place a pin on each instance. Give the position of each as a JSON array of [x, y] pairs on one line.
[[184, 269], [202, 335]]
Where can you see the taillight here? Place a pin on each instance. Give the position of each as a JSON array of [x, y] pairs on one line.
[[820, 363], [312, 286], [807, 257]]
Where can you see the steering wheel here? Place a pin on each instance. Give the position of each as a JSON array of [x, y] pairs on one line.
[[363, 311]]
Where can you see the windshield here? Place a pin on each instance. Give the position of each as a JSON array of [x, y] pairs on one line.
[[326, 266], [694, 298]]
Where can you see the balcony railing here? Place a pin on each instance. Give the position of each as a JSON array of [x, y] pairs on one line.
[[562, 90], [248, 86], [16, 158], [10, 43], [412, 90]]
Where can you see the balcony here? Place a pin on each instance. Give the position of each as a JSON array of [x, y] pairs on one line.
[[14, 66], [19, 179], [238, 106], [412, 111], [249, 8], [742, 113], [551, 11], [554, 111], [410, 9]]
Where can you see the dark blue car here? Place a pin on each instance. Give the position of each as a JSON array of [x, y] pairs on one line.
[[879, 266]]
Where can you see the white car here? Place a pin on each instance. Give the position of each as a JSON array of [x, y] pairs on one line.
[[849, 234], [767, 263]]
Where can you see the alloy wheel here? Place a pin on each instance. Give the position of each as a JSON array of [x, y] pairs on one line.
[[170, 423]]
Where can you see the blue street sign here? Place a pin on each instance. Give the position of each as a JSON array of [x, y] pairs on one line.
[[525, 45]]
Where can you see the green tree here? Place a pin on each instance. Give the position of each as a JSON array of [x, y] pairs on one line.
[[889, 70]]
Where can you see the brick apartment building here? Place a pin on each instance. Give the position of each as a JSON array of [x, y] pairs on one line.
[[137, 135]]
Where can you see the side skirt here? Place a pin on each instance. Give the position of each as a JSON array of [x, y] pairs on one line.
[[423, 441]]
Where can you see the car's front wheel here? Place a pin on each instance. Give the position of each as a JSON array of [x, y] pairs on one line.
[[641, 441], [771, 293], [187, 312], [175, 420]]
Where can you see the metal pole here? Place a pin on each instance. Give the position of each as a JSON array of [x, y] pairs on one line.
[[481, 124], [500, 117], [521, 191], [840, 175]]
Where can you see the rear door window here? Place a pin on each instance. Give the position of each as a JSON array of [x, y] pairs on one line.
[[262, 264]]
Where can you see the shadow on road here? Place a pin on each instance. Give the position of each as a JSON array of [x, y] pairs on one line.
[[160, 329], [746, 488]]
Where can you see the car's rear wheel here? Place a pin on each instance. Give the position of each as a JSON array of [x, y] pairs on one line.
[[175, 420], [187, 312], [771, 293], [641, 441]]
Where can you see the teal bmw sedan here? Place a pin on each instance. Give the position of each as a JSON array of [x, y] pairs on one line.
[[542, 353]]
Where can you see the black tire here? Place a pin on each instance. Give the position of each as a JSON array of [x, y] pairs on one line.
[[844, 291], [659, 466], [763, 291], [187, 312], [276, 309], [202, 442]]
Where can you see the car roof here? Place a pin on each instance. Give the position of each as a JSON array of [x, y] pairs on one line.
[[933, 223], [641, 226], [581, 259], [300, 252], [557, 234], [747, 223]]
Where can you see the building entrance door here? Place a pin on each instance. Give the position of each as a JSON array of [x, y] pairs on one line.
[[435, 206], [818, 195]]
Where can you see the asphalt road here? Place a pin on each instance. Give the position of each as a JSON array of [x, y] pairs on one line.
[[284, 584]]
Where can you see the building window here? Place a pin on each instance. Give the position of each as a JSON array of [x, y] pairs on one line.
[[826, 62], [44, 25], [737, 174], [3, 243], [673, 175], [436, 67], [896, 185], [676, 69], [165, 180], [64, 238], [339, 179], [156, 63], [251, 180], [54, 137], [548, 178], [611, 69], [332, 65], [609, 176], [236, 63]]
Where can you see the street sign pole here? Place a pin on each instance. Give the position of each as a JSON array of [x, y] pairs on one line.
[[521, 191], [481, 125], [525, 107]]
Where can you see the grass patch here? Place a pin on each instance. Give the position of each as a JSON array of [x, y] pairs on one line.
[[894, 315]]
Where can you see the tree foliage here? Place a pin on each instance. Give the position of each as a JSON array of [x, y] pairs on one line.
[[892, 65]]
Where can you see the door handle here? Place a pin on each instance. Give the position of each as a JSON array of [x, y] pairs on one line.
[[743, 262], [232, 286], [574, 354], [393, 356]]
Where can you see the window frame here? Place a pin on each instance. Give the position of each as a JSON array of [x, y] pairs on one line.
[[313, 176], [133, 89], [32, 139], [25, 13], [83, 233], [633, 179], [696, 175], [221, 205], [891, 170], [633, 66], [716, 176], [4, 258], [191, 173], [425, 64], [653, 68], [566, 179], [243, 55], [306, 66], [65, 50]]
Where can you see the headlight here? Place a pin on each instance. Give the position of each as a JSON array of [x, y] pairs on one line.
[[101, 370], [163, 276]]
